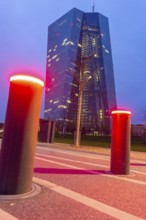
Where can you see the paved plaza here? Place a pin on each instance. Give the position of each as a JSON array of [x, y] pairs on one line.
[[76, 184]]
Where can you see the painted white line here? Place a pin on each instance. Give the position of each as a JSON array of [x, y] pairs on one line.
[[6, 216], [139, 172], [99, 206], [126, 179], [137, 161], [94, 172], [75, 161], [77, 154], [87, 163], [67, 165], [88, 155], [97, 156]]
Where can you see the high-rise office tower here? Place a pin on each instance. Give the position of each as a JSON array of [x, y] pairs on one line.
[[79, 46]]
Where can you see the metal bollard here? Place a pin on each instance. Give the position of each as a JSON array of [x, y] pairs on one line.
[[20, 134], [120, 143]]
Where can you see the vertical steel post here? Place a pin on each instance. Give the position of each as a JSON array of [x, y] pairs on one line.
[[120, 142], [20, 134]]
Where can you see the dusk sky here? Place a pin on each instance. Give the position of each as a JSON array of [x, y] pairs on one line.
[[23, 44]]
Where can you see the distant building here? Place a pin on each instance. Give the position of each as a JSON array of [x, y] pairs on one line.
[[79, 41], [138, 130]]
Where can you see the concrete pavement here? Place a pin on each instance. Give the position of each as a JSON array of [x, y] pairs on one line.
[[100, 150], [76, 184]]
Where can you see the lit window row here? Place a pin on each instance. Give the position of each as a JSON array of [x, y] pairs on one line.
[[79, 45], [93, 42], [62, 106], [48, 110], [67, 43], [101, 114], [70, 42], [59, 119], [107, 51], [73, 84], [68, 120], [71, 69], [55, 102], [54, 56], [50, 50], [78, 19], [55, 48], [62, 22], [68, 101], [64, 41], [86, 71]]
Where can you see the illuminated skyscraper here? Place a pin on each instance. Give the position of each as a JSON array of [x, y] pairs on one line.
[[78, 42]]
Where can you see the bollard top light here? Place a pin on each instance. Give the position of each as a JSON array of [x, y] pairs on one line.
[[26, 78], [121, 112]]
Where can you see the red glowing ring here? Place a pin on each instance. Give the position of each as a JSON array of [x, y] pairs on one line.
[[121, 112], [27, 78]]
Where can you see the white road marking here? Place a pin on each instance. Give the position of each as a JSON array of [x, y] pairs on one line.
[[97, 156], [77, 154], [135, 171], [76, 161], [6, 216], [94, 172], [125, 179], [87, 163], [67, 165], [99, 206], [138, 161]]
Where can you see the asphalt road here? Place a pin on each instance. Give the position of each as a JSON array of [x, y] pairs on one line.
[[77, 185]]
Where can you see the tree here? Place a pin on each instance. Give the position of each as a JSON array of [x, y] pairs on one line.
[[82, 80]]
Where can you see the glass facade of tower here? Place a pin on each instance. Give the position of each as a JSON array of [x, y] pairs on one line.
[[78, 42]]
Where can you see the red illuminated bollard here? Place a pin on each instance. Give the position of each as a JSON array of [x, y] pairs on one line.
[[120, 143], [20, 134]]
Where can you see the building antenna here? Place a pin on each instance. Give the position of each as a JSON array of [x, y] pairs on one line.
[[93, 7]]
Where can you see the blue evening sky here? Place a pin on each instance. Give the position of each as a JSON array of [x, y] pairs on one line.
[[23, 44]]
